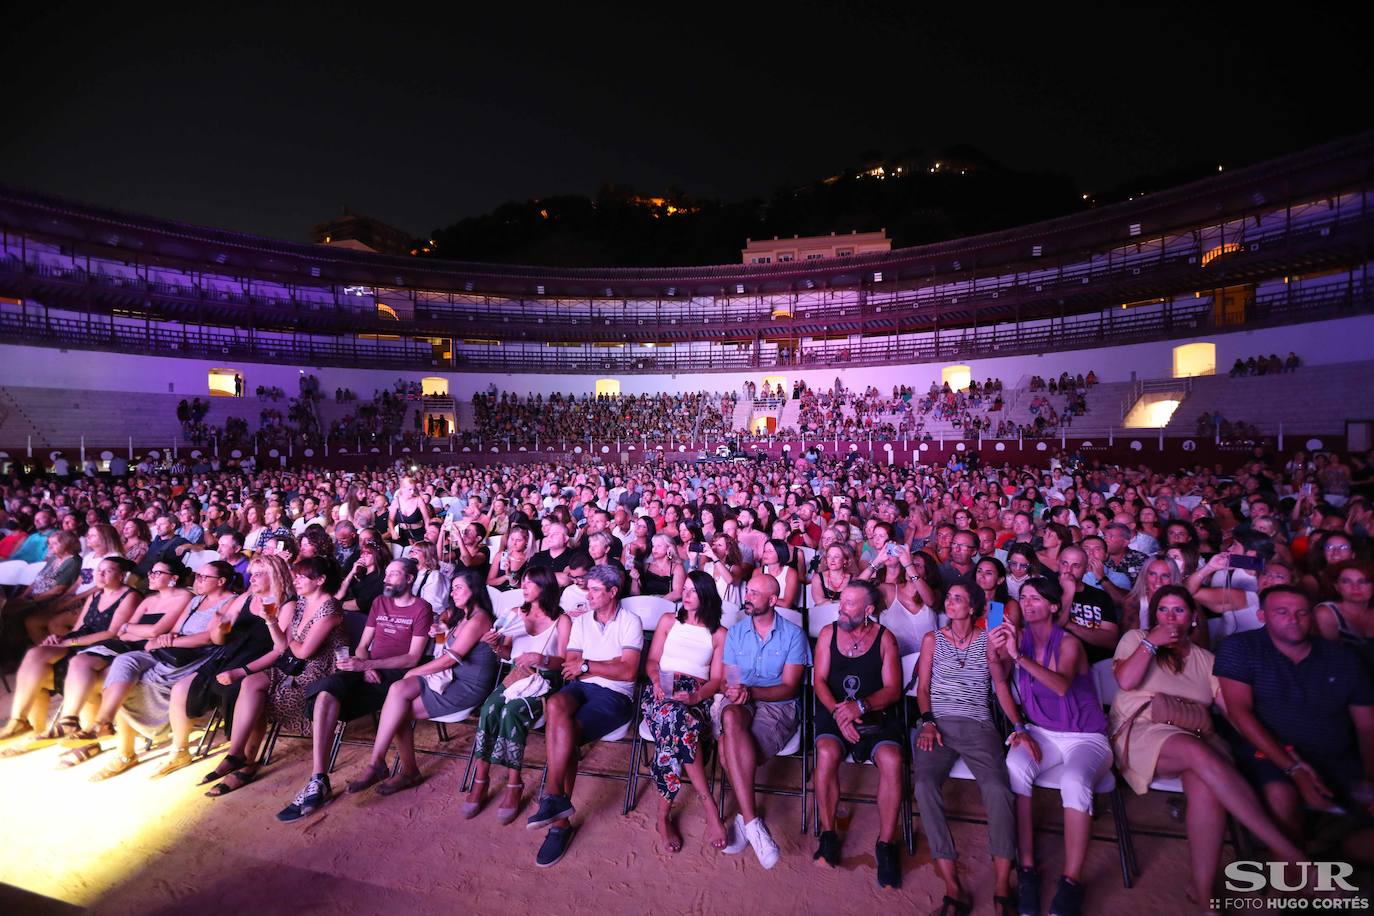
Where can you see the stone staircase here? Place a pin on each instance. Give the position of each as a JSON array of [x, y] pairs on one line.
[[1314, 399]]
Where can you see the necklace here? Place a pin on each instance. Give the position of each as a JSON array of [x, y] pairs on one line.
[[859, 638], [967, 647]]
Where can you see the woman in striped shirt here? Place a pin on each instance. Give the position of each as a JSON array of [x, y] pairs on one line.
[[954, 694]]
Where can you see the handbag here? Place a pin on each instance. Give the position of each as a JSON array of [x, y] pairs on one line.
[[288, 664], [531, 685], [1166, 709]]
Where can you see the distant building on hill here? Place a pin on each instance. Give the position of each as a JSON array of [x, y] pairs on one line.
[[815, 247], [363, 233]]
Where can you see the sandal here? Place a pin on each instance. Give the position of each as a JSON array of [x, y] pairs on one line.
[[61, 728], [672, 837], [399, 783], [97, 731], [77, 756], [951, 907], [229, 764], [470, 809], [119, 765], [14, 728], [242, 776], [181, 757], [505, 815]]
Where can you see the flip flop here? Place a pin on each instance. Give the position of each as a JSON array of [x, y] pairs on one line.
[[673, 841]]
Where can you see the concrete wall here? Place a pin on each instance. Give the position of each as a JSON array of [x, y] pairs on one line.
[[1324, 342]]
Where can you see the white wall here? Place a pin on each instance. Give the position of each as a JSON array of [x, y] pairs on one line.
[[1318, 343]]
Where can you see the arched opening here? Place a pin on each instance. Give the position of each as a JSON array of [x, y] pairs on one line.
[[771, 382], [610, 387], [226, 383], [434, 386], [957, 377], [1195, 359]]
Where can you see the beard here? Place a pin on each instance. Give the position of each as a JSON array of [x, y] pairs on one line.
[[395, 591], [848, 624]]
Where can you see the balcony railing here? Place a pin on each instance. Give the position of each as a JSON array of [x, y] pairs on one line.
[[1107, 328]]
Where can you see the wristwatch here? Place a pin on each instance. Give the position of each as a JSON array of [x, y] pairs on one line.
[[863, 707], [586, 667]]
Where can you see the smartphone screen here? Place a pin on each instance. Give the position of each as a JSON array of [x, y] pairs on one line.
[[1240, 561], [996, 614]]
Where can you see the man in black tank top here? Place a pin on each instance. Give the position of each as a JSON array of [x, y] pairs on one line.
[[858, 685]]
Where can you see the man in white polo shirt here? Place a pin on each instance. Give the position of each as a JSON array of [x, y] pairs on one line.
[[601, 666]]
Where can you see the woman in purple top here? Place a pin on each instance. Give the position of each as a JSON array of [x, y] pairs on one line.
[[1065, 728]]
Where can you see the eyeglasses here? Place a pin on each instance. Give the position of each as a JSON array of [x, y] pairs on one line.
[[207, 576], [1338, 548], [159, 572]]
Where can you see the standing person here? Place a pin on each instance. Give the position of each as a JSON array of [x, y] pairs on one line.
[[1162, 665], [685, 673], [456, 679], [858, 685], [765, 657], [954, 682], [408, 513], [600, 668], [1064, 726]]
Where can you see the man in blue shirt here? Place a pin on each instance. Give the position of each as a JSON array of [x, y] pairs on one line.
[[1304, 708], [765, 657], [35, 546]]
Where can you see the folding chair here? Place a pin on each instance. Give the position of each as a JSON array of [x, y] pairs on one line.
[[648, 608], [797, 747], [1107, 688], [904, 814]]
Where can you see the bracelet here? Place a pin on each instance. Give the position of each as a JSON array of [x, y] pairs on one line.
[[863, 707], [1149, 646], [1297, 765], [1020, 728]]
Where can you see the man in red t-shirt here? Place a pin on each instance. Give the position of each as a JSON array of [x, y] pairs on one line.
[[392, 643]]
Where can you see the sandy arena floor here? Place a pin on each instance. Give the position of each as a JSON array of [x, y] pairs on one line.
[[137, 845]]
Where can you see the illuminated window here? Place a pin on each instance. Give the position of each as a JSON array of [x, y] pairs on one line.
[[386, 311], [224, 383], [958, 377], [434, 386], [608, 386], [1195, 359]]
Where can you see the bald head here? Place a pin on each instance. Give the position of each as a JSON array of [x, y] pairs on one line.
[[760, 595]]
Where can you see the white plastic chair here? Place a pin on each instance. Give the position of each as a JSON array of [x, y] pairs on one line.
[[821, 615], [790, 615], [648, 608], [195, 559], [1218, 628]]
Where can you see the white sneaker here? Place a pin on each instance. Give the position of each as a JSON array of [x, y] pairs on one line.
[[762, 841], [738, 839]]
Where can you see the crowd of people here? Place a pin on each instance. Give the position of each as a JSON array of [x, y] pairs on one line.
[[507, 419], [1265, 365], [1230, 614]]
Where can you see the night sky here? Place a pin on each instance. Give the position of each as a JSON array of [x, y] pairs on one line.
[[271, 120]]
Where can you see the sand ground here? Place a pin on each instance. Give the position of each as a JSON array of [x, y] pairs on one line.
[[138, 845]]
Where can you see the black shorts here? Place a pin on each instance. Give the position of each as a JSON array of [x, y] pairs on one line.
[[871, 737], [356, 696]]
